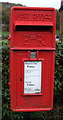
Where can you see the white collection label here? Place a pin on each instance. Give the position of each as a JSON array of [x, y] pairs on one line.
[[32, 77]]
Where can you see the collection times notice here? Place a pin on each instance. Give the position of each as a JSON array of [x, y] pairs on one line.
[[32, 77]]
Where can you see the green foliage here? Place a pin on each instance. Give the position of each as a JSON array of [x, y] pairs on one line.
[[5, 35], [59, 73], [7, 113], [57, 112]]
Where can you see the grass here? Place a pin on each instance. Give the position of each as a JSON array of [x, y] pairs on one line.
[[5, 33], [57, 32]]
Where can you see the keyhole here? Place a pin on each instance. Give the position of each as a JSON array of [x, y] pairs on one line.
[[20, 79]]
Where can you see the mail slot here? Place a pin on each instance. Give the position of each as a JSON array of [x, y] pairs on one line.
[[32, 56]]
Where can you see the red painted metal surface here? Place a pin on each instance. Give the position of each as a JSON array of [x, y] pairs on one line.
[[32, 29]]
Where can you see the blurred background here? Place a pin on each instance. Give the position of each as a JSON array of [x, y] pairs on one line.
[[57, 112]]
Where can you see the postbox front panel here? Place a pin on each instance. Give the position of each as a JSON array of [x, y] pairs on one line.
[[32, 87], [32, 52]]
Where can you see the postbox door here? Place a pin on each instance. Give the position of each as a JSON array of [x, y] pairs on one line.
[[23, 99]]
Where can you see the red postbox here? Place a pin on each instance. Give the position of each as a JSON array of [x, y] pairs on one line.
[[32, 56]]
